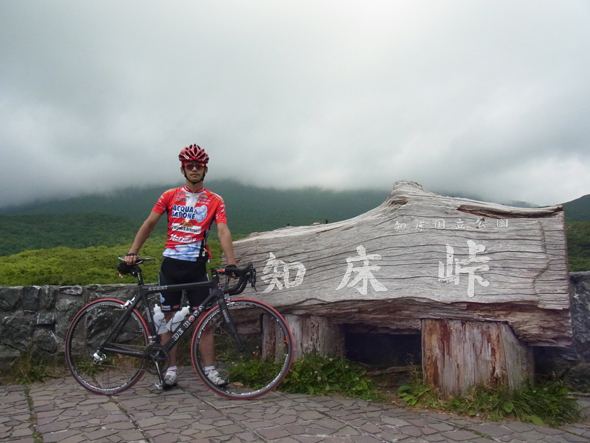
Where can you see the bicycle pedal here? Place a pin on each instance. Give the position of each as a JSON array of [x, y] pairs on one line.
[[164, 387]]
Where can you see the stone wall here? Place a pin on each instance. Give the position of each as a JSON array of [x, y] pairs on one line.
[[35, 318]]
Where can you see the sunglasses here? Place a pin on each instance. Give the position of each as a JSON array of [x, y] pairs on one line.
[[191, 166]]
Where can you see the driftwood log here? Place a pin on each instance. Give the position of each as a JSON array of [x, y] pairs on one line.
[[418, 257]]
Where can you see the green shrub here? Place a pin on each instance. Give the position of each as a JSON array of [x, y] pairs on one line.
[[548, 402], [313, 375], [318, 375], [255, 373]]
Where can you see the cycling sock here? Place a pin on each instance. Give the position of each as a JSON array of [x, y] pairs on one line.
[[172, 369], [208, 369]]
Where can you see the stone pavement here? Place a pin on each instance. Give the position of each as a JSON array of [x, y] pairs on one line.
[[60, 410]]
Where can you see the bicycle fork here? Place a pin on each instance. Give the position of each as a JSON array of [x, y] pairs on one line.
[[231, 326]]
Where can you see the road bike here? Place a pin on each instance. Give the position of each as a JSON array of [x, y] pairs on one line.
[[110, 344]]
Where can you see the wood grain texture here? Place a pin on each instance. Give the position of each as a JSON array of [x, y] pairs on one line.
[[422, 256], [457, 355], [311, 332]]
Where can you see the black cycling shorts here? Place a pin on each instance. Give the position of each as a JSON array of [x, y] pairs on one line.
[[175, 272]]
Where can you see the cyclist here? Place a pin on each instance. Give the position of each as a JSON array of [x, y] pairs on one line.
[[191, 210]]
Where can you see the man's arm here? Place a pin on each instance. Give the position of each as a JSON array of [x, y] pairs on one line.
[[142, 235], [226, 243]]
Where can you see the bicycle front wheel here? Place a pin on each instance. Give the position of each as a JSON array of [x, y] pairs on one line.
[[105, 367], [259, 365]]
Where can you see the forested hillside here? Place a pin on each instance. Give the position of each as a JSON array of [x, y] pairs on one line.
[[577, 216], [578, 210], [130, 202], [20, 233], [107, 220], [249, 208]]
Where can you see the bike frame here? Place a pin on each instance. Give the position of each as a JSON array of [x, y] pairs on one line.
[[123, 341], [216, 293]]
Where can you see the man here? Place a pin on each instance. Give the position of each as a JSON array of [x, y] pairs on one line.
[[191, 210]]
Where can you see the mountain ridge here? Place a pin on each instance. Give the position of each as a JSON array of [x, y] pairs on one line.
[[136, 202], [276, 208], [113, 219]]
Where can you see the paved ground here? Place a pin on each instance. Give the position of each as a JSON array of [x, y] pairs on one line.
[[61, 411]]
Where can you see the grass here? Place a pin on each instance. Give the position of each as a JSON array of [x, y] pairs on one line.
[[545, 403], [38, 438], [28, 369]]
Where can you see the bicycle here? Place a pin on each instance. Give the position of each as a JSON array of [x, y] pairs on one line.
[[109, 344]]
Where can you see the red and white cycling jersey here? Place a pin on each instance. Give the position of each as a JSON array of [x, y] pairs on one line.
[[190, 216]]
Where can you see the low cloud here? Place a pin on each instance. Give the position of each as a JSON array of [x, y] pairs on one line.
[[489, 98]]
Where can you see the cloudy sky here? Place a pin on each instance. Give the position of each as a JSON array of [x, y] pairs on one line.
[[487, 97]]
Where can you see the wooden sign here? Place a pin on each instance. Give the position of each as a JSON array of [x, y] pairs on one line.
[[422, 256]]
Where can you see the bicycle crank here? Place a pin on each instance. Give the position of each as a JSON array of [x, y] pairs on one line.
[[155, 358]]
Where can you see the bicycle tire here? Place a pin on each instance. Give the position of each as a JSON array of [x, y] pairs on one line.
[[115, 372], [265, 362]]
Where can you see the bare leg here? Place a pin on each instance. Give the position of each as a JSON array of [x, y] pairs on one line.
[[207, 347]]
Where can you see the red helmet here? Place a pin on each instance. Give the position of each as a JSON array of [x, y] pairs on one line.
[[193, 153]]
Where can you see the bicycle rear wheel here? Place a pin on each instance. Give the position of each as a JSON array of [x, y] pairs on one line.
[[262, 363], [110, 369]]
